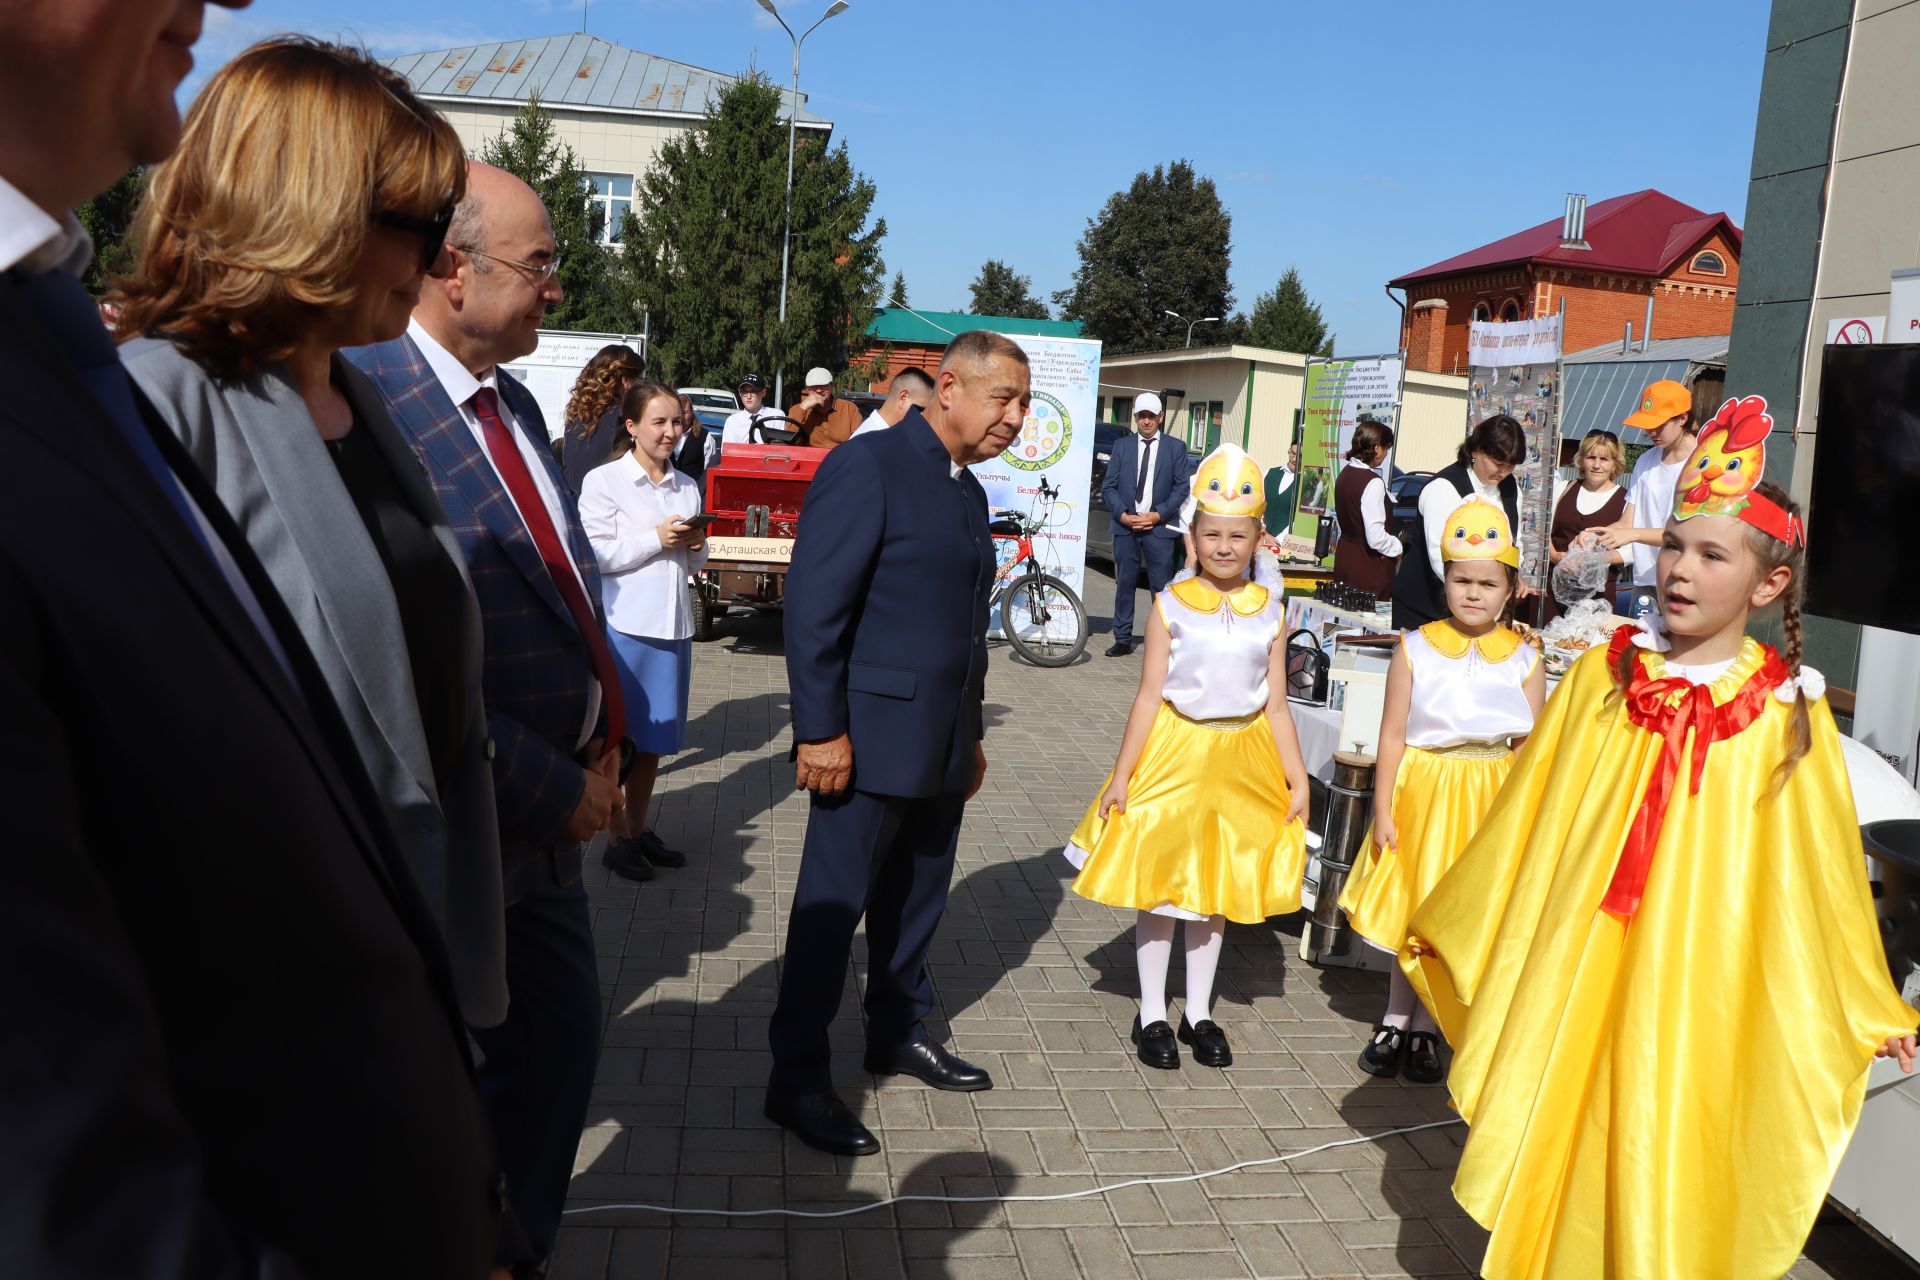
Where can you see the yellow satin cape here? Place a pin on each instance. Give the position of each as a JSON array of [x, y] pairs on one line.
[[1666, 1096]]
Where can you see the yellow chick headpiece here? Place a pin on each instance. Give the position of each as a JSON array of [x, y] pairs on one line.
[[1478, 530], [1229, 483]]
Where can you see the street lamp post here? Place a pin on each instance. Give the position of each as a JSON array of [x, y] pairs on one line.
[[1177, 316], [834, 10]]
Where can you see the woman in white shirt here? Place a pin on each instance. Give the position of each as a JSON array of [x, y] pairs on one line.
[[1666, 411], [1483, 469], [635, 510], [1366, 553]]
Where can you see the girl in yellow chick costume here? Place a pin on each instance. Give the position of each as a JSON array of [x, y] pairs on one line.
[[1201, 819], [1461, 694], [1658, 962]]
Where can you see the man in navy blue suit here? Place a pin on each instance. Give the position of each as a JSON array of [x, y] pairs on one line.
[[886, 618], [1146, 482]]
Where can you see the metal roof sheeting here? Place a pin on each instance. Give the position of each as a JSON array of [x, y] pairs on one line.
[[937, 328], [573, 70], [1709, 350]]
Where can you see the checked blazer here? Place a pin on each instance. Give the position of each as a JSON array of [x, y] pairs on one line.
[[536, 674]]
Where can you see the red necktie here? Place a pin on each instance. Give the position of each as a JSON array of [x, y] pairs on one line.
[[512, 467]]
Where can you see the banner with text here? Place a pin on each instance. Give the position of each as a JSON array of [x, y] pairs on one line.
[[1338, 394], [1494, 344], [1055, 445]]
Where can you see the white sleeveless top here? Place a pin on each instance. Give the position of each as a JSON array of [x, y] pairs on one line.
[[1221, 647], [1467, 690]]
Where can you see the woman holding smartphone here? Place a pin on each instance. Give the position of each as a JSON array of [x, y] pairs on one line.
[[642, 516]]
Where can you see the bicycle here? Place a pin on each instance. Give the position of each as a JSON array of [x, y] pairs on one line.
[[1039, 614]]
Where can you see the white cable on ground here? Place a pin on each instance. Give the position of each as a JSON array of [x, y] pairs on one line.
[[1162, 1180]]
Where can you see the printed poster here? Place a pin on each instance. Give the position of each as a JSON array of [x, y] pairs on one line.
[[1525, 385], [1338, 394]]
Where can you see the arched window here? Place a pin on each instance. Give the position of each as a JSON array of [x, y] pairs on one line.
[[1480, 311], [1510, 309], [1708, 263]]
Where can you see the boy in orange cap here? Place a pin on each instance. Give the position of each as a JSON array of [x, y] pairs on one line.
[[1666, 414]]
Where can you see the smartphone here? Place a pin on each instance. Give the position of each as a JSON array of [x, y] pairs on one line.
[[700, 521]]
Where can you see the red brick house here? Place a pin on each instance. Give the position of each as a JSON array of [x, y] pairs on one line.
[[1606, 261]]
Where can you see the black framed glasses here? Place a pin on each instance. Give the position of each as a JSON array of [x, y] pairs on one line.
[[432, 231], [538, 272]]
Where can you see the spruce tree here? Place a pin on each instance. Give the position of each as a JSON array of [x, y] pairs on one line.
[[1286, 319], [704, 251], [999, 291], [108, 218], [897, 296]]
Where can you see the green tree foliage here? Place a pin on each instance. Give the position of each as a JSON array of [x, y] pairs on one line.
[[529, 150], [897, 296], [108, 218], [703, 253], [1162, 245], [999, 291], [1286, 319]]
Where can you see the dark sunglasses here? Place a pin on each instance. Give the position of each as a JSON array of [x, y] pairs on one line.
[[432, 231], [1603, 435]]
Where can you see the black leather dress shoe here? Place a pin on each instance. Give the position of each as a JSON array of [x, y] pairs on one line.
[[1155, 1045], [821, 1121], [624, 858], [1208, 1041], [1381, 1057], [658, 852], [1120, 649], [1423, 1058], [927, 1061]]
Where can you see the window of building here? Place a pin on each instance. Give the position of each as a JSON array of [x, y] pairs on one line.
[[1708, 263], [1480, 311], [1203, 424], [1510, 310], [612, 196]]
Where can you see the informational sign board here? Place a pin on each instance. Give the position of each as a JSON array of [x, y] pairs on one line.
[[1856, 331], [1055, 445], [1338, 394], [555, 366], [1521, 378]]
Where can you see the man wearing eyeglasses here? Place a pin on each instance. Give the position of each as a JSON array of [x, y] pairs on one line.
[[554, 705]]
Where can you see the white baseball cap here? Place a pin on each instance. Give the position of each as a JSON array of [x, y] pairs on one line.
[[1146, 402], [818, 377]]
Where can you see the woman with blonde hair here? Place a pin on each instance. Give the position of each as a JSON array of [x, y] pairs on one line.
[[1596, 502], [592, 433], [308, 202]]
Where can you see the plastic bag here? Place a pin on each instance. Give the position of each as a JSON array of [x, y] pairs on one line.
[[1581, 575]]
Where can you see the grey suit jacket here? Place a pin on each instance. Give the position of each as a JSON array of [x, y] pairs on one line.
[[256, 442]]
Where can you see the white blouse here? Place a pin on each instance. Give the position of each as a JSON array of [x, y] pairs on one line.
[[1467, 699], [643, 585], [1217, 669]]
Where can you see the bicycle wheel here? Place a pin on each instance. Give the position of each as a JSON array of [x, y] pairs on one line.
[[1044, 620]]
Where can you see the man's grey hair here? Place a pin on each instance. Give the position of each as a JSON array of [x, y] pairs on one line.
[[468, 230], [976, 346], [914, 382]]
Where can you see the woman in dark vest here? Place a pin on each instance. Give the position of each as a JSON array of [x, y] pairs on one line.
[[1366, 552], [1484, 469], [1594, 503]]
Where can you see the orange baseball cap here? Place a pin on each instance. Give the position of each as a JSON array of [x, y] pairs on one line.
[[1663, 400]]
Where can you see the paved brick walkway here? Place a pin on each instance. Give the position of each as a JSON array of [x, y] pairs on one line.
[[1034, 984]]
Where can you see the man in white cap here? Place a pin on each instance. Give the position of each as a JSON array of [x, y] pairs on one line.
[[1147, 480], [824, 420]]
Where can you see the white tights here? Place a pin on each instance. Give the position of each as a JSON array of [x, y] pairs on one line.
[[1153, 953], [1404, 1009]]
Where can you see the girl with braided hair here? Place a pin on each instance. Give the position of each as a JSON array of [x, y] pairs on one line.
[[1657, 960]]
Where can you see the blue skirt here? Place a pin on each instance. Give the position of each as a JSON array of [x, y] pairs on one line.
[[656, 676]]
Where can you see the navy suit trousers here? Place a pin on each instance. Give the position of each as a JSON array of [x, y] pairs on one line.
[[891, 859], [1130, 551]]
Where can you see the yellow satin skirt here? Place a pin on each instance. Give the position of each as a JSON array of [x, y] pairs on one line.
[[1439, 799], [1205, 830]]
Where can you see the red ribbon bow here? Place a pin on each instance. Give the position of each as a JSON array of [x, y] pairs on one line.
[[1674, 707]]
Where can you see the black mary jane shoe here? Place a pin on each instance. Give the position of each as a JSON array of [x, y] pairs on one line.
[[624, 857], [1423, 1058], [821, 1121], [1382, 1055], [1208, 1042], [929, 1063], [1155, 1045], [658, 852]]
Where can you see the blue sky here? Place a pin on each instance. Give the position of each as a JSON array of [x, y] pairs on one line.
[[1356, 141]]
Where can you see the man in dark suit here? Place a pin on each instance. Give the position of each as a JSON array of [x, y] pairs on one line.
[[1147, 480], [552, 692], [886, 658], [233, 1043]]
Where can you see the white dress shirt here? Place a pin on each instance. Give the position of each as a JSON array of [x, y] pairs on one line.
[[461, 387], [1440, 500], [1650, 495], [1143, 466], [643, 583], [734, 431], [1373, 512], [874, 422]]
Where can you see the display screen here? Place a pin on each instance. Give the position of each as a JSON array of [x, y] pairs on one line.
[[1863, 522]]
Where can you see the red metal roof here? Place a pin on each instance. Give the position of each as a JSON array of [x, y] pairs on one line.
[[1643, 233]]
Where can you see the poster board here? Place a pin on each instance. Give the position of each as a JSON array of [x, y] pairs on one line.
[[1516, 371], [555, 365], [1336, 396], [1056, 444]]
